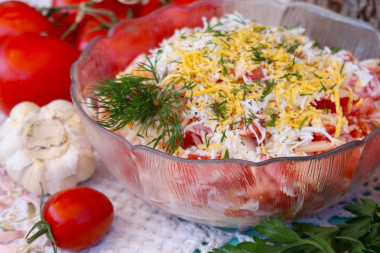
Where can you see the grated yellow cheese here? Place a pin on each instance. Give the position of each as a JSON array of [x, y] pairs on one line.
[[261, 82], [293, 77]]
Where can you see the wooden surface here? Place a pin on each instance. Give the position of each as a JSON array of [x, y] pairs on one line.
[[366, 10]]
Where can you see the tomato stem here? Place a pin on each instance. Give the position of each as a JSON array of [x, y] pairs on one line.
[[84, 8], [42, 226]]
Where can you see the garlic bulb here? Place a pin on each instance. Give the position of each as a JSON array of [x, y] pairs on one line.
[[46, 145]]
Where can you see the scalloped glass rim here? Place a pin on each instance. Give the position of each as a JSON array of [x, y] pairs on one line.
[[330, 14]]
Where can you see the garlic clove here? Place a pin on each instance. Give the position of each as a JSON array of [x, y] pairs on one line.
[[9, 144], [34, 176], [61, 168], [17, 164], [59, 109], [23, 110], [86, 167]]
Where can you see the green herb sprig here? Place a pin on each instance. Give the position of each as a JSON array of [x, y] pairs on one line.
[[267, 90], [359, 234], [219, 109], [138, 100], [273, 118], [296, 74]]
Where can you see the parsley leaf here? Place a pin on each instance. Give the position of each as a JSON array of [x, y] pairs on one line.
[[359, 234]]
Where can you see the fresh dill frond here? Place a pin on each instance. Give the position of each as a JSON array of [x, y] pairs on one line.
[[247, 122], [221, 62], [258, 56], [235, 92], [323, 87], [292, 47], [150, 67], [296, 74], [223, 136], [267, 90], [219, 109], [245, 89], [207, 141], [317, 76], [341, 68], [139, 101], [316, 44], [226, 154], [239, 19], [302, 123], [273, 118], [252, 115], [297, 25], [335, 49], [294, 62]]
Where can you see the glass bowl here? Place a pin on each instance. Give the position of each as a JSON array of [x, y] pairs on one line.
[[226, 192]]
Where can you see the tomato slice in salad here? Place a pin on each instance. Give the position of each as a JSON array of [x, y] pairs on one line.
[[255, 74], [327, 104]]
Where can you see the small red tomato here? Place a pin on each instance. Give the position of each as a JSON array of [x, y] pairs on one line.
[[17, 17], [34, 68], [78, 217], [149, 7], [89, 31]]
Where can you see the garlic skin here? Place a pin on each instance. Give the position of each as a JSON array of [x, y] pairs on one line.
[[46, 145]]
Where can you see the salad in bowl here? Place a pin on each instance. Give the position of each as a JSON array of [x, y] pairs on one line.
[[225, 121]]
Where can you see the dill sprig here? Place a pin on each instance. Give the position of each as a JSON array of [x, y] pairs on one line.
[[219, 109], [296, 74], [258, 56], [150, 67], [138, 100], [273, 118], [267, 90]]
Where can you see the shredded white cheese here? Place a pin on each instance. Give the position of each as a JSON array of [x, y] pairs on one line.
[[259, 92]]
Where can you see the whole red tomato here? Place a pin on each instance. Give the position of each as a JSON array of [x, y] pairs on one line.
[[78, 218], [150, 6], [17, 17], [91, 29], [34, 68]]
